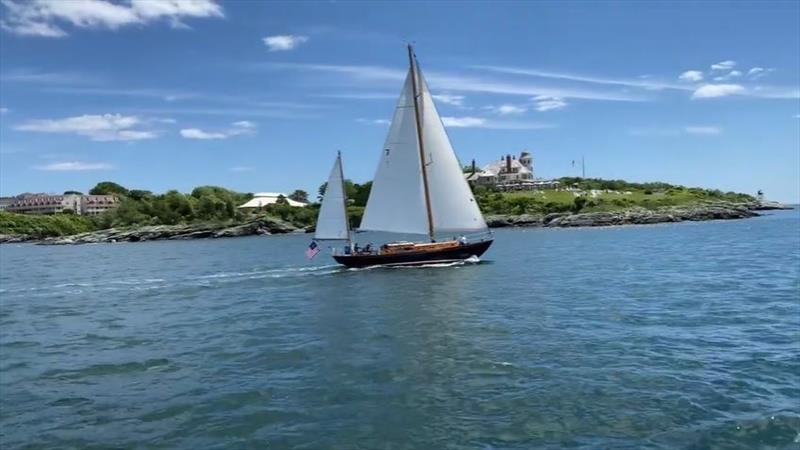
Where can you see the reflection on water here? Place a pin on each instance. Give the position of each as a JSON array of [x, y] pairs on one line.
[[679, 335]]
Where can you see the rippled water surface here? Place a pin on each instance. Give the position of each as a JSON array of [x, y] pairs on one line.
[[666, 336]]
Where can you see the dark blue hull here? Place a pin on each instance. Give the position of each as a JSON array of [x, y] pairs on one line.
[[459, 253]]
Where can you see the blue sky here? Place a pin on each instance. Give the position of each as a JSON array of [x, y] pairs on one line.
[[258, 96]]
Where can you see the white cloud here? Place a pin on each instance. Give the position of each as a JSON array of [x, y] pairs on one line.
[[463, 122], [105, 127], [244, 124], [373, 121], [796, 116], [508, 109], [241, 169], [728, 76], [74, 166], [479, 122], [758, 72], [703, 130], [283, 42], [45, 18], [238, 128], [545, 103], [4, 110], [724, 65], [717, 90], [196, 133], [455, 100], [692, 76]]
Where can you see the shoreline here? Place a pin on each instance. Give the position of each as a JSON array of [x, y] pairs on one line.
[[271, 225]]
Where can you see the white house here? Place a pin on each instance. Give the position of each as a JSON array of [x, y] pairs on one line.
[[262, 199]]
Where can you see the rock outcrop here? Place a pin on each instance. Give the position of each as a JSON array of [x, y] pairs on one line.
[[633, 216], [262, 225]]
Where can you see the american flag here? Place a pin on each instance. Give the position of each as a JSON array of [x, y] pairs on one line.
[[312, 250]]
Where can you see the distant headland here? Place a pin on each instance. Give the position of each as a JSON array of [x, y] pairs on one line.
[[113, 213]]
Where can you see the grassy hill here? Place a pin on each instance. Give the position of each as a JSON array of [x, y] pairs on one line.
[[590, 195]]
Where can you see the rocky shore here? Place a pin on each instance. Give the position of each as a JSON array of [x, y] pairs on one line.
[[262, 225], [633, 216], [270, 225]]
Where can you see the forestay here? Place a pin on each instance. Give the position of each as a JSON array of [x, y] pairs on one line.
[[332, 220], [396, 202]]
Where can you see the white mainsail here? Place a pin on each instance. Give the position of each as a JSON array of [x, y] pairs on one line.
[[332, 220], [397, 201], [453, 206]]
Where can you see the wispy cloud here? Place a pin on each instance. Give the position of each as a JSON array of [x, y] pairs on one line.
[[359, 96], [447, 82], [25, 75], [241, 169], [703, 130], [283, 42], [724, 65], [163, 94], [645, 83], [717, 90], [480, 122], [97, 127], [4, 110], [74, 166], [373, 121], [545, 103], [692, 76], [46, 18], [196, 133], [449, 99], [758, 72], [507, 109], [728, 76], [237, 128], [697, 130]]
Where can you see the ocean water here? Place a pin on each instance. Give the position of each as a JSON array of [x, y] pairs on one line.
[[664, 336]]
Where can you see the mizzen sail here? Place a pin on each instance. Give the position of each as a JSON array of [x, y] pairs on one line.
[[332, 221]]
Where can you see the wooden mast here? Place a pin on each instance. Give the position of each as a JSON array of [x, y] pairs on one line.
[[417, 116], [344, 198]]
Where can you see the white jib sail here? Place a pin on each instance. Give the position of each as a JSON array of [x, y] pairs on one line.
[[332, 220], [453, 206], [396, 202]]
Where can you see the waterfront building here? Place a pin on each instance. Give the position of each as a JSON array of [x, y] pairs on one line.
[[5, 201], [263, 199], [56, 204], [92, 205], [509, 173]]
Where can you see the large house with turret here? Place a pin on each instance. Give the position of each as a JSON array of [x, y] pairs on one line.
[[509, 173]]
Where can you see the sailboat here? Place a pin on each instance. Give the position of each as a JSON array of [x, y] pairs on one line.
[[419, 189]]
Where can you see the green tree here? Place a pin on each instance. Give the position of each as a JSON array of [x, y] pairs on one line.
[[299, 195], [108, 188], [578, 204]]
